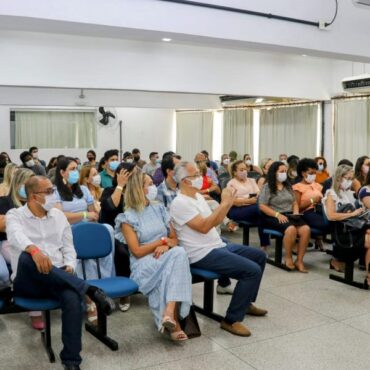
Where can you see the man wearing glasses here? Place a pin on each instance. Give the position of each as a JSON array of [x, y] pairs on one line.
[[195, 226], [43, 262]]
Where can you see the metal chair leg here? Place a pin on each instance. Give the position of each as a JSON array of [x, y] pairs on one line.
[[46, 337]]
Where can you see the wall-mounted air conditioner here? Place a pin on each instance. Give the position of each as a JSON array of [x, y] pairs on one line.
[[362, 2], [357, 84]]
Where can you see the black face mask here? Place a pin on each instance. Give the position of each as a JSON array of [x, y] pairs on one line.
[[136, 158], [90, 159]]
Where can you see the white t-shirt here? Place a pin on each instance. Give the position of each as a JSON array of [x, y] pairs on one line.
[[197, 245]]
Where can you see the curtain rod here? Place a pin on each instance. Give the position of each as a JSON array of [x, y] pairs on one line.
[[245, 11], [276, 105], [357, 97]]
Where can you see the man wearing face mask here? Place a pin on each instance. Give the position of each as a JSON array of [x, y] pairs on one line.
[[137, 161], [34, 150], [91, 159], [28, 162], [43, 262], [111, 164], [195, 226]]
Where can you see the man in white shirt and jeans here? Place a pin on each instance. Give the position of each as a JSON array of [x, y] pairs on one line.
[[195, 226], [43, 261]]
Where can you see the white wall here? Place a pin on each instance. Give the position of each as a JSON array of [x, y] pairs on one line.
[[147, 129]]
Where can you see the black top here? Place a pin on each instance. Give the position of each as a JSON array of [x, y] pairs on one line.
[[109, 211], [6, 203]]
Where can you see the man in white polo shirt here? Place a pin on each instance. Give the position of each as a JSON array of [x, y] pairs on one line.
[[195, 226]]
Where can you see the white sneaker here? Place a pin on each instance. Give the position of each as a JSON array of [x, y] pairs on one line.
[[224, 290]]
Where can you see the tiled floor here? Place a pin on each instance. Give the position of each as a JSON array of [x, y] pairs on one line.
[[313, 323]]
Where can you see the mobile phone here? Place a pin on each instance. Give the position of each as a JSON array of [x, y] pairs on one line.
[[252, 195]]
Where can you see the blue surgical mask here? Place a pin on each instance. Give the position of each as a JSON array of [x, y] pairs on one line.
[[113, 165], [22, 192], [73, 177]]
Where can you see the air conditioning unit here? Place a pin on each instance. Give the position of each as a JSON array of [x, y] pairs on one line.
[[357, 84], [362, 2]]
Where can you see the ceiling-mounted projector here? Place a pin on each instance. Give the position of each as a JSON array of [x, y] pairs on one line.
[[357, 84]]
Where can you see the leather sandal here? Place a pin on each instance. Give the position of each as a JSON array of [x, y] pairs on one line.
[[178, 336], [168, 324], [91, 317]]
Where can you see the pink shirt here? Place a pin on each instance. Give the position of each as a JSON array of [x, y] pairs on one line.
[[308, 191], [244, 188]]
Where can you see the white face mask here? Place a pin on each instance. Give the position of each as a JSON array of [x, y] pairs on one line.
[[96, 180], [311, 178], [152, 192], [226, 161], [50, 202], [346, 184], [129, 160], [242, 175], [197, 183], [30, 163], [321, 167], [281, 176], [248, 162]]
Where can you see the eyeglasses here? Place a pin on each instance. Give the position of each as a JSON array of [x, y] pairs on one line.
[[47, 191]]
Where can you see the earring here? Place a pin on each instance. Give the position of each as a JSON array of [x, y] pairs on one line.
[[64, 181]]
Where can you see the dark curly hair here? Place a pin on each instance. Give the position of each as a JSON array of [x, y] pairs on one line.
[[305, 164], [271, 177], [64, 191]]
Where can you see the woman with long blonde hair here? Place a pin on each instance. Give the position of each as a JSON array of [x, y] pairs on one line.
[[9, 170]]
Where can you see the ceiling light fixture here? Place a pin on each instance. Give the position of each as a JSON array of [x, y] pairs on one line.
[[259, 100], [166, 39], [304, 55]]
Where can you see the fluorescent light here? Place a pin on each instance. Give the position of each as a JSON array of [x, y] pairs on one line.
[[259, 100], [304, 55], [166, 39]]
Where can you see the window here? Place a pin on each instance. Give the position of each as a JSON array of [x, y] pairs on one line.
[[52, 129]]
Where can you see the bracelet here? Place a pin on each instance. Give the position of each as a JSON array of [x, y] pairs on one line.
[[164, 240], [277, 214], [120, 188], [85, 215], [34, 251]]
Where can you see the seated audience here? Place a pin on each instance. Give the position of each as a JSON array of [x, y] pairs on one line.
[[244, 207], [34, 150], [43, 262], [3, 163], [322, 170], [254, 172], [201, 158], [112, 204], [308, 195], [91, 159], [329, 182], [168, 189], [224, 166], [283, 158], [339, 195], [158, 176], [29, 162], [361, 171], [16, 198], [209, 189], [52, 164], [110, 165], [278, 205], [90, 178], [195, 226], [9, 171], [127, 157], [152, 165], [265, 165], [136, 156], [158, 265], [211, 164], [292, 170], [6, 156], [51, 172], [233, 155]]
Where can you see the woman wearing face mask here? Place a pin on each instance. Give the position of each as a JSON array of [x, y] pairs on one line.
[[90, 178], [308, 195], [292, 170], [52, 164], [224, 166], [254, 172], [17, 197], [159, 267], [78, 206], [245, 206], [361, 171], [322, 173], [339, 195], [265, 165], [278, 204]]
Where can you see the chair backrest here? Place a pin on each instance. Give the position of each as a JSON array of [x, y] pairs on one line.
[[91, 240]]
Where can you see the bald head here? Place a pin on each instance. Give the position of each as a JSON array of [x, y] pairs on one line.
[[37, 184]]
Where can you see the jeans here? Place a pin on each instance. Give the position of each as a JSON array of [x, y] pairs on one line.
[[58, 285], [245, 264]]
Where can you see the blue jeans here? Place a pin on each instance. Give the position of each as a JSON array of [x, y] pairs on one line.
[[62, 286], [251, 214], [245, 264]]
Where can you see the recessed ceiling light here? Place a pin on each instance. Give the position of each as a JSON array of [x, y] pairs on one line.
[[166, 39]]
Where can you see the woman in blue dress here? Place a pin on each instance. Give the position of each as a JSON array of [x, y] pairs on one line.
[[158, 265]]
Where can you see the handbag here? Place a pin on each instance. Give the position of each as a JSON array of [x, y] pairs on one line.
[[190, 325], [356, 223]]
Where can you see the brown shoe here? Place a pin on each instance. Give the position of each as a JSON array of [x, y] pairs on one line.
[[255, 311], [237, 328]]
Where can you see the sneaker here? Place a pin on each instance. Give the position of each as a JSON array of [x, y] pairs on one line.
[[255, 311], [237, 328], [224, 290], [124, 304]]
